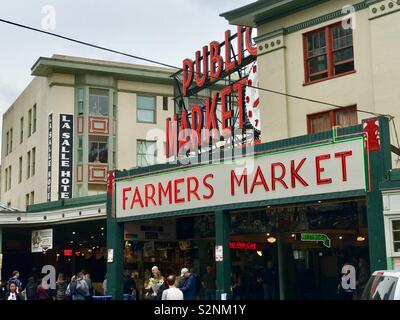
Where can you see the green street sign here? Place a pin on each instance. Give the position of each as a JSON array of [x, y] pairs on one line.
[[317, 237]]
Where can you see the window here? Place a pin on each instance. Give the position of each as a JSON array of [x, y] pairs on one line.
[[165, 103], [80, 148], [396, 235], [114, 105], [32, 198], [328, 52], [20, 170], [324, 121], [380, 288], [98, 150], [9, 177], [28, 162], [98, 102], [29, 122], [33, 161], [27, 199], [21, 132], [81, 99], [7, 142], [146, 109], [11, 140], [34, 119], [146, 153], [6, 179]]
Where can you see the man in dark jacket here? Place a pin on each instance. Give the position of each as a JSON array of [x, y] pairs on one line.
[[189, 286]]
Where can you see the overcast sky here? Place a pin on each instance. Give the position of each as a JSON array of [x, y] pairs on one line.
[[164, 30]]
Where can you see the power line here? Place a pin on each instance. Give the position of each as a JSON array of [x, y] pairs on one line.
[[174, 67]]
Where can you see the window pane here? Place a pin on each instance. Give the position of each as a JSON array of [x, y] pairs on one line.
[[93, 151], [145, 116], [397, 246], [346, 118], [98, 102], [146, 153], [320, 123], [396, 225], [144, 102], [103, 152], [396, 235], [316, 43], [344, 54], [345, 67], [318, 64]]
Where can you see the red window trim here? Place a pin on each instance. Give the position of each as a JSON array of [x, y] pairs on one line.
[[329, 56], [332, 116]]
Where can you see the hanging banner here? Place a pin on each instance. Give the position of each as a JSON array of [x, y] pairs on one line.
[[65, 156], [49, 155]]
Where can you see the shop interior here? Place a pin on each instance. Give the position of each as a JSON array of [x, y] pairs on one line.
[[310, 269], [76, 247]]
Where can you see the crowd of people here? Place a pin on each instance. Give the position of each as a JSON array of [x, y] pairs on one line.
[[79, 287]]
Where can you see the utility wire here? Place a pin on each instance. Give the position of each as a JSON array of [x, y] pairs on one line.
[[174, 67]]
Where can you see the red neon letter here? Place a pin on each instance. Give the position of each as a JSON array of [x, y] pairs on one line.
[[149, 196], [164, 192], [229, 64], [243, 178], [294, 173], [239, 45], [208, 186], [177, 190], [225, 114], [259, 175], [211, 119], [274, 178], [249, 46], [343, 156], [197, 121], [216, 62], [200, 75], [136, 198], [124, 197], [318, 160], [187, 76], [238, 87], [193, 190]]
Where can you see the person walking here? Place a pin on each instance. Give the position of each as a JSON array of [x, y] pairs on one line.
[[208, 283], [13, 293], [269, 281], [188, 286], [172, 293], [15, 279], [128, 285], [30, 289], [363, 276], [89, 284], [61, 288]]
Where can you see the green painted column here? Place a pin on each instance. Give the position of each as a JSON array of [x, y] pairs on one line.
[[1, 250], [281, 267], [380, 165], [115, 243], [222, 230]]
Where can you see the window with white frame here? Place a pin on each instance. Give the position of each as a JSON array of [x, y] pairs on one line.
[[146, 153], [396, 235], [146, 109]]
